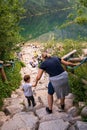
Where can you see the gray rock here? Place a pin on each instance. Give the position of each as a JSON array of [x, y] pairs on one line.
[[41, 112], [3, 118], [21, 121], [73, 111], [54, 116], [68, 103], [81, 104], [70, 96], [72, 127], [54, 125], [13, 109], [84, 112], [81, 125]]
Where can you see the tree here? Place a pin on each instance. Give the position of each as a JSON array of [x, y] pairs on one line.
[[11, 12], [79, 14]]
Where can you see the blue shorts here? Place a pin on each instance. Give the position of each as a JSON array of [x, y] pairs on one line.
[[50, 89]]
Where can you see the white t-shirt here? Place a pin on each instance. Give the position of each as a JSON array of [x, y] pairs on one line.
[[27, 87]]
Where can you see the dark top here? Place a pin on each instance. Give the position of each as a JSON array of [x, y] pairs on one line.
[[52, 66]]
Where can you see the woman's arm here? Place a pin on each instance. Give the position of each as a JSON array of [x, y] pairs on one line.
[[67, 63], [39, 75]]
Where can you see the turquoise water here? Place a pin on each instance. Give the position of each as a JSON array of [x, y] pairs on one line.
[[47, 27]]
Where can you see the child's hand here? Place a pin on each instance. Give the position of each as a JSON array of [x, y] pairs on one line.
[[22, 89], [34, 85]]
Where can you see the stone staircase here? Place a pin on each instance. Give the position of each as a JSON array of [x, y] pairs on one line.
[[16, 114]]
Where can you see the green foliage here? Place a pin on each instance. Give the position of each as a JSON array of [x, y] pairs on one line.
[[22, 64], [10, 15], [84, 119], [79, 12], [12, 83], [38, 7], [83, 2], [77, 88], [81, 20]]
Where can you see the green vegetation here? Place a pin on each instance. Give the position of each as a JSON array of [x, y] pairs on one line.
[[79, 12], [13, 81], [11, 12], [39, 7]]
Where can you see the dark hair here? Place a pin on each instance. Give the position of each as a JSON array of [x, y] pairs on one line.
[[26, 77]]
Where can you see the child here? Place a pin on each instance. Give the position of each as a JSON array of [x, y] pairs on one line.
[[27, 88]]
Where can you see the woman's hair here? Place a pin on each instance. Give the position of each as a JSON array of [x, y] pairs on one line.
[[26, 77], [45, 55]]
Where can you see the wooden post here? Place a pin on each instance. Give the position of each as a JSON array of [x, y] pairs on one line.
[[67, 56], [3, 75], [70, 54]]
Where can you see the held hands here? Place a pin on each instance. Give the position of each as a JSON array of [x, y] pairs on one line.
[[34, 85]]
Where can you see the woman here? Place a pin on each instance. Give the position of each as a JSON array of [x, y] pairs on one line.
[[58, 79]]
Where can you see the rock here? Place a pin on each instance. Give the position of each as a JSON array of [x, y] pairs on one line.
[[70, 96], [13, 101], [54, 116], [72, 127], [74, 119], [41, 112], [81, 104], [68, 103], [3, 118], [21, 121], [13, 109], [84, 112], [81, 125], [54, 125], [73, 111], [19, 92]]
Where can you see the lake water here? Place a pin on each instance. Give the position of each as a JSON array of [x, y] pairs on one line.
[[47, 27]]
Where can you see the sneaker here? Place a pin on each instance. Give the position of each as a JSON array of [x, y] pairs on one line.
[[48, 110], [61, 108], [34, 104]]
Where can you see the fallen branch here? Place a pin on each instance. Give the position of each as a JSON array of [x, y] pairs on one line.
[[76, 59], [69, 54]]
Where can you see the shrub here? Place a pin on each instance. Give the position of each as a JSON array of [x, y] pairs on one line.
[[12, 83]]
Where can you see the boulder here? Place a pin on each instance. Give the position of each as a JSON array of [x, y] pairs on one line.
[[21, 121], [54, 125], [81, 125], [84, 112]]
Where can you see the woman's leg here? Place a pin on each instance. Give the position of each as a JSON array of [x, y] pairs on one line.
[[50, 98], [62, 103], [50, 101]]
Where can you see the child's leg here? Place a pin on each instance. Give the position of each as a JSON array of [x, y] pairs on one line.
[[32, 100], [29, 102]]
